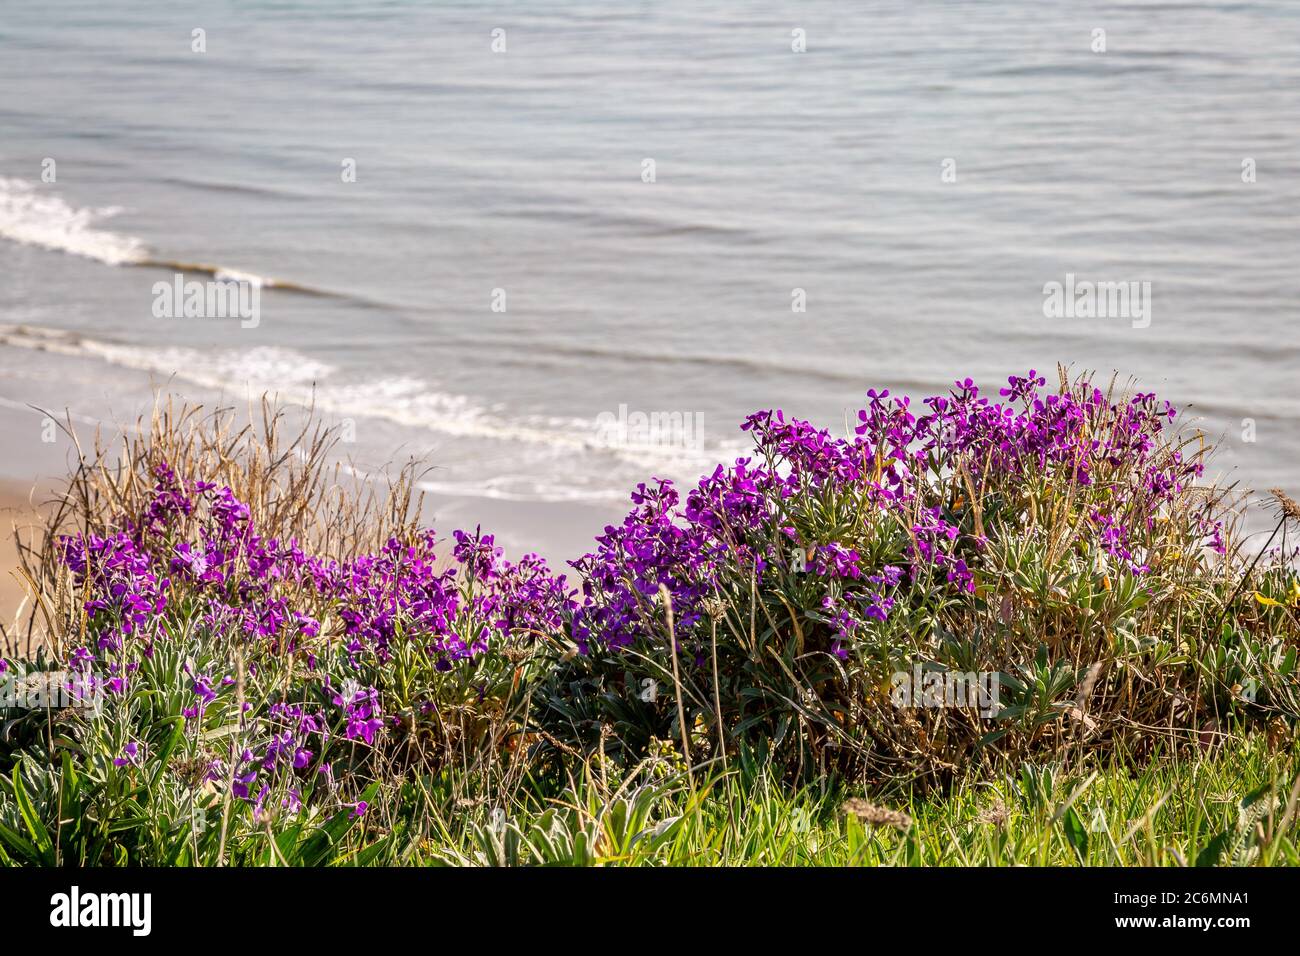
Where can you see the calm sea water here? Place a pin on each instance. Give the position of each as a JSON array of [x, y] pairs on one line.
[[523, 171]]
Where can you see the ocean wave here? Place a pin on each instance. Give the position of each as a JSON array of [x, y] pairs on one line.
[[265, 368], [524, 488], [34, 217], [229, 274], [546, 445]]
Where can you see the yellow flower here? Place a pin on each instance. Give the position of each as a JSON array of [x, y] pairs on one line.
[[1290, 597]]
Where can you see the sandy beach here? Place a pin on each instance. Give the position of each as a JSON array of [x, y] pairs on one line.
[[19, 506]]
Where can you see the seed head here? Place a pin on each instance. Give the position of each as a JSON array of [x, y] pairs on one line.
[[876, 816], [1288, 505]]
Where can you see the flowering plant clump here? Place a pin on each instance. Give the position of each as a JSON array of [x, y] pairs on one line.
[[260, 655], [939, 488], [293, 674], [1049, 539]]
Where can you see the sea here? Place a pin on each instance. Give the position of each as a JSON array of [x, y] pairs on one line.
[[553, 249]]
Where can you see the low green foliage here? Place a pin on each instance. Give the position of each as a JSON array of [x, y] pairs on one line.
[[1235, 808]]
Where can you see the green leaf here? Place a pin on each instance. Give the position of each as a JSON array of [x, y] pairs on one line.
[[316, 850], [40, 836], [1076, 833], [1212, 851], [160, 760], [17, 843]]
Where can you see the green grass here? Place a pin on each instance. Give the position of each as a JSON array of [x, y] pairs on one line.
[[1236, 807]]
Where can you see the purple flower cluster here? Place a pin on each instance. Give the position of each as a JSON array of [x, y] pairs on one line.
[[194, 551], [899, 470], [401, 594], [291, 737], [361, 707], [125, 589], [652, 548], [263, 588]]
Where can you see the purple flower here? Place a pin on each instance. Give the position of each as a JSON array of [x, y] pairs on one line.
[[130, 755], [361, 706]]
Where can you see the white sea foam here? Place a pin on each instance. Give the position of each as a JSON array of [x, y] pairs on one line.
[[544, 451], [31, 215], [265, 368], [525, 488], [236, 275]]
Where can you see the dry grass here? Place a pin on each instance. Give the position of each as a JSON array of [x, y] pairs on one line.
[[291, 476]]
